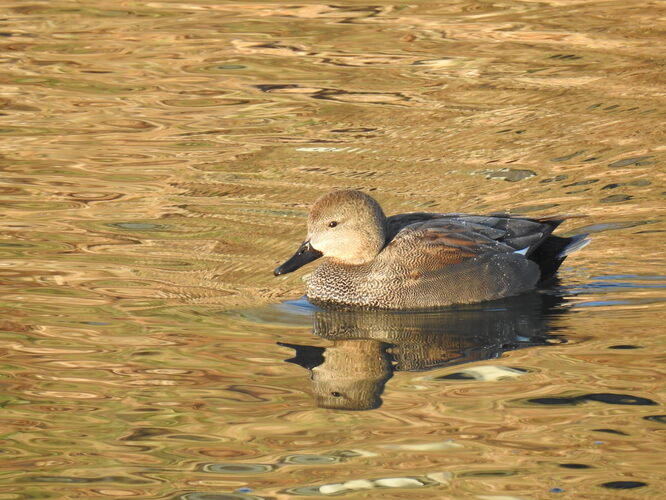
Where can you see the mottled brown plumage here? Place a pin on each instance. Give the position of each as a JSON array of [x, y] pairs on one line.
[[422, 260]]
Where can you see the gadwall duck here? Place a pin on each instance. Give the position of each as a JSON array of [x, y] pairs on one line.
[[422, 260]]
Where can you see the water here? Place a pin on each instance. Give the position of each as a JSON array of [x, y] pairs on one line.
[[158, 159]]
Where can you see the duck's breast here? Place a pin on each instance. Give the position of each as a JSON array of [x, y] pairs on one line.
[[343, 284]]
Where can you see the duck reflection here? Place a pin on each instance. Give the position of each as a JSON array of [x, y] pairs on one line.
[[368, 346]]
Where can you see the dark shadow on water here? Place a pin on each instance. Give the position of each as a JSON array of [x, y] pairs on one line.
[[367, 347]]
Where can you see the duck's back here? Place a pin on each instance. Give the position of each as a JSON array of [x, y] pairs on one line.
[[433, 260]]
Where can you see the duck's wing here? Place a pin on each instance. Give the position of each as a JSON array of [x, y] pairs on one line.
[[458, 236], [449, 261], [435, 244], [519, 233], [533, 237], [396, 223]]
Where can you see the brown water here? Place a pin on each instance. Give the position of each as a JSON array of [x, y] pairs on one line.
[[158, 159]]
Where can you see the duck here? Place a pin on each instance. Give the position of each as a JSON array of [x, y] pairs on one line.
[[423, 260]]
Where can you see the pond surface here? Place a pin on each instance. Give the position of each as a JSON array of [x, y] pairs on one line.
[[157, 162]]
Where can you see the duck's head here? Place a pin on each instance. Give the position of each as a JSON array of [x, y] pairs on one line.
[[347, 226]]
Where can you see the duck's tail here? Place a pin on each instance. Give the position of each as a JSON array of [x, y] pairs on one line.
[[574, 243], [552, 252]]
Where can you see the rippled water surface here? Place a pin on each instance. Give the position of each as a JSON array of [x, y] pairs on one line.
[[157, 162]]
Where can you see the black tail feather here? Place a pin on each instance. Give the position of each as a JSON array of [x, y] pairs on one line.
[[552, 252]]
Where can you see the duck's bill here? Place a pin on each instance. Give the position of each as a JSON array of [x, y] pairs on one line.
[[302, 256]]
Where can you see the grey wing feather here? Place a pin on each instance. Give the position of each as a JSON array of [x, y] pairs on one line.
[[444, 260], [517, 232]]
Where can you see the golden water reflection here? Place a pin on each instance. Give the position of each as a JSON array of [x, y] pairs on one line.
[[369, 346], [157, 161]]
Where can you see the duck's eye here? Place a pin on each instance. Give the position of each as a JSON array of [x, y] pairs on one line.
[[332, 224], [336, 394]]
